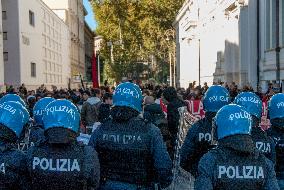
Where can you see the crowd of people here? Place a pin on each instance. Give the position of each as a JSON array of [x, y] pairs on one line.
[[126, 138]]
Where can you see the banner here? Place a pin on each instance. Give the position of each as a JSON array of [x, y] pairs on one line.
[[95, 72], [195, 107]]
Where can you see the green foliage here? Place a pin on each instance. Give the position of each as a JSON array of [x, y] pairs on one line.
[[141, 25]]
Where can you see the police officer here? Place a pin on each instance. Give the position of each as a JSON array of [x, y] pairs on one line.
[[60, 162], [235, 164], [276, 115], [12, 161], [36, 135], [131, 151], [252, 103], [198, 139]]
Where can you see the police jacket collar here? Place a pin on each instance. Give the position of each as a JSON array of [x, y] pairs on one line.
[[240, 143], [60, 136]]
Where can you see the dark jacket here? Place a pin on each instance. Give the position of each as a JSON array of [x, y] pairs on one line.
[[61, 163], [236, 165], [264, 143], [13, 169], [277, 134], [132, 152], [154, 114], [196, 144], [104, 112], [173, 117], [90, 111]]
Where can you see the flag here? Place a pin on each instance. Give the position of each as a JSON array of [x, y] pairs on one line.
[[95, 72]]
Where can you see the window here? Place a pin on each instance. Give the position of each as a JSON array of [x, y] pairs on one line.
[[5, 55], [32, 18], [33, 70], [5, 37], [4, 15], [270, 24]]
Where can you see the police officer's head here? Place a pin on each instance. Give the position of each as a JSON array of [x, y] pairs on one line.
[[252, 103], [14, 98], [215, 98], [276, 110], [39, 110], [61, 121], [233, 120], [13, 117]]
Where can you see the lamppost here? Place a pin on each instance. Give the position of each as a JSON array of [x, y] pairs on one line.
[[170, 36]]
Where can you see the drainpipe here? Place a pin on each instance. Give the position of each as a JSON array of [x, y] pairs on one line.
[[258, 44], [277, 49]]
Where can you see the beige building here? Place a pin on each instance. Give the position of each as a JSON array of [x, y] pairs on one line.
[[89, 52], [2, 87], [72, 12], [36, 45]]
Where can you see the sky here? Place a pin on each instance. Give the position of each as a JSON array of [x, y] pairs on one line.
[[90, 19]]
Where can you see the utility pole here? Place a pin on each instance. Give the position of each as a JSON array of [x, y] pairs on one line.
[[174, 61], [171, 77], [170, 36]]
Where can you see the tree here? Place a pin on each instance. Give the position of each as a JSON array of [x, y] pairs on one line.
[[137, 27]]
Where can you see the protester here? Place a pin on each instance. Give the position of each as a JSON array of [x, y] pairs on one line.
[[90, 110], [173, 117]]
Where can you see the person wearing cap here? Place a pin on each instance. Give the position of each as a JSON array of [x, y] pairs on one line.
[[235, 163], [131, 150], [276, 132], [13, 171], [60, 162]]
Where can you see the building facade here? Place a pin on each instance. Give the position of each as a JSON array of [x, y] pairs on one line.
[[72, 12], [271, 39], [36, 46], [204, 29], [2, 86], [89, 52], [236, 41]]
